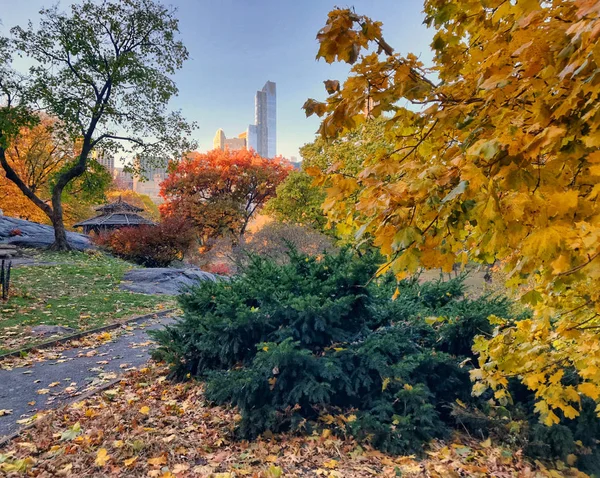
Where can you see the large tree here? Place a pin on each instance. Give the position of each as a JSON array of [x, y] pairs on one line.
[[496, 157], [220, 191], [104, 71]]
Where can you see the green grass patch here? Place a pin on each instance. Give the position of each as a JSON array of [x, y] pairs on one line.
[[72, 289]]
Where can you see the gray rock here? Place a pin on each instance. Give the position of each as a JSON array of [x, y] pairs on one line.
[[163, 280], [44, 330], [37, 235]]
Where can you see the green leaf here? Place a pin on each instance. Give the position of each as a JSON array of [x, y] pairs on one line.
[[462, 186]]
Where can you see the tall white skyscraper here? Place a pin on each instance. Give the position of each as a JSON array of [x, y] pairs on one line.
[[271, 96], [262, 136], [252, 137]]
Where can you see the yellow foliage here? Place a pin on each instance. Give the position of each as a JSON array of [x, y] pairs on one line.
[[497, 161]]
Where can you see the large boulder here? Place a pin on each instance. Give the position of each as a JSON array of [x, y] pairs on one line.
[[36, 235], [163, 280]]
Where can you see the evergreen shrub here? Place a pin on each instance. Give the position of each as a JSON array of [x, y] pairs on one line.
[[317, 341]]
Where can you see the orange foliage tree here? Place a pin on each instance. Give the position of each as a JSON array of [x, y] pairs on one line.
[[36, 155], [496, 157], [220, 191]]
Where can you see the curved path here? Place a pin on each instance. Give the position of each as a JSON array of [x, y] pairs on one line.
[[31, 387]]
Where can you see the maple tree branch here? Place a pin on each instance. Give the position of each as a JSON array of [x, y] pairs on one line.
[[577, 327], [118, 138], [581, 266], [420, 141]]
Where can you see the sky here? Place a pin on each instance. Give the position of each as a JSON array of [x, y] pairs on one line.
[[236, 46]]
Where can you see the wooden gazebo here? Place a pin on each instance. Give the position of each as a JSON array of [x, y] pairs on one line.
[[114, 216]]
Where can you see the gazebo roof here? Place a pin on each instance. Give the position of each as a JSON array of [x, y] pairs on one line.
[[116, 214], [118, 205], [115, 219]]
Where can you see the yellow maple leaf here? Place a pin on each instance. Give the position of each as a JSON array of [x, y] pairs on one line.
[[590, 389], [158, 460], [102, 457]]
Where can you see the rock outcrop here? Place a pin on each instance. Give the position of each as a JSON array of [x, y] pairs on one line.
[[163, 280], [36, 235]]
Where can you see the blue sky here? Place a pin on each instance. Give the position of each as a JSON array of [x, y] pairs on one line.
[[237, 45]]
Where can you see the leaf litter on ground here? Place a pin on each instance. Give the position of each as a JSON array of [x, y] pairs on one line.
[[87, 344], [147, 426]]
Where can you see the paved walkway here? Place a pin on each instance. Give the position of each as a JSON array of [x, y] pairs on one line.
[[49, 384]]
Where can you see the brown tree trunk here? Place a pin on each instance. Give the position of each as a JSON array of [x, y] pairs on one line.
[[60, 234]]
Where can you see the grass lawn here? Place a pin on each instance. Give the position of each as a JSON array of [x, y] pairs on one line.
[[73, 289]]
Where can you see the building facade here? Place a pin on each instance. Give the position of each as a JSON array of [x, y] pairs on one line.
[[123, 179], [105, 159], [265, 120], [270, 91], [252, 137], [153, 172], [221, 142], [260, 136]]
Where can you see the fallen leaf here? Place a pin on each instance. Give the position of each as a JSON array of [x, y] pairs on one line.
[[102, 457], [180, 468], [159, 460]]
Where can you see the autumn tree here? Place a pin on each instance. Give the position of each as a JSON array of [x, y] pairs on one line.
[[298, 201], [104, 71], [220, 191], [38, 155], [496, 158]]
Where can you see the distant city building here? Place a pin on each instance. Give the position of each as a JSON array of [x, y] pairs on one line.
[[153, 172], [122, 179], [265, 120], [105, 159], [252, 137], [219, 140], [233, 144], [260, 136]]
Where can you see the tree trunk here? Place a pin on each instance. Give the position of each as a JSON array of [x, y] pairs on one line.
[[60, 234]]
